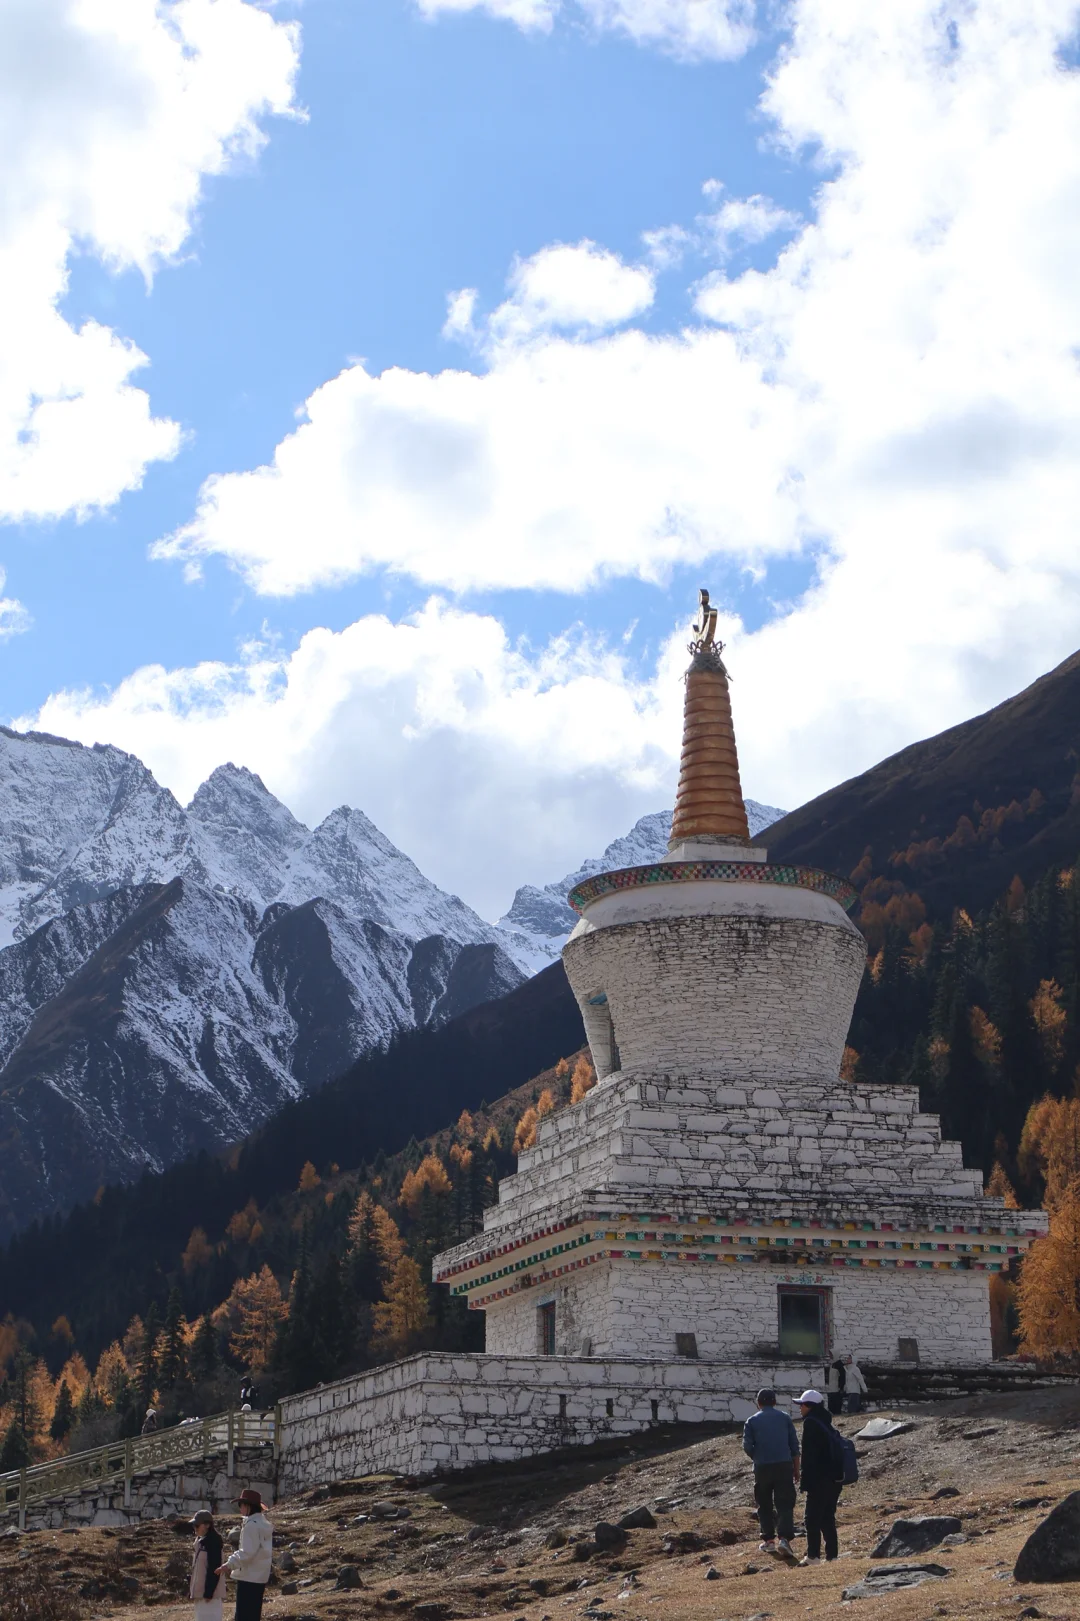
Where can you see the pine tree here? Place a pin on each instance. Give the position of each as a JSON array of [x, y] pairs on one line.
[[63, 1413], [15, 1452], [204, 1356], [174, 1354], [146, 1374]]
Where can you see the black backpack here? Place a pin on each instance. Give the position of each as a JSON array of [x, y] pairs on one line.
[[843, 1456]]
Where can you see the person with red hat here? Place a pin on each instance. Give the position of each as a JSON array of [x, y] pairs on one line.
[[250, 1564]]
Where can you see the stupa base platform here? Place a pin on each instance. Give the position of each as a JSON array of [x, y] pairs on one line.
[[443, 1411]]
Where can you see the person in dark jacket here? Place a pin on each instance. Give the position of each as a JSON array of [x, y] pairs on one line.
[[822, 1480]]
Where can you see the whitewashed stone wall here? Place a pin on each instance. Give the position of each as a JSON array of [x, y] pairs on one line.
[[755, 998], [180, 1489], [636, 1308], [438, 1411], [680, 1133]]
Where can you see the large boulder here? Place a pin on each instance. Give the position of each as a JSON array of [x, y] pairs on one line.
[[1052, 1551], [916, 1536]]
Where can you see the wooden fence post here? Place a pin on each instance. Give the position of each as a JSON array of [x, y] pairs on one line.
[[127, 1473], [22, 1499], [230, 1468]]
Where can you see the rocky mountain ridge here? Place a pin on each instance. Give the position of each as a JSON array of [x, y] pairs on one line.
[[171, 977]]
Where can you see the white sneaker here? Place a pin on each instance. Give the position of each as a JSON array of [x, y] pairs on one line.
[[783, 1546], [806, 1560], [767, 1547]]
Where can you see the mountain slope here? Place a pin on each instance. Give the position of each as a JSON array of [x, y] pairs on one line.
[[543, 917], [173, 977], [956, 816], [103, 1261]]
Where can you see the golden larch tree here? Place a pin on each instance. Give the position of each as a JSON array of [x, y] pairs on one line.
[[429, 1174], [1048, 1295], [256, 1310], [405, 1313], [582, 1080]]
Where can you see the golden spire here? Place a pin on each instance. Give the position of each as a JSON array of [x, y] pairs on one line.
[[709, 803]]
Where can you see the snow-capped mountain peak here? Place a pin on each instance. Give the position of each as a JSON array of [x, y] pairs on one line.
[[542, 918]]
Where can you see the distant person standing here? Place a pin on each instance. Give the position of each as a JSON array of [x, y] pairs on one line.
[[836, 1385], [822, 1477], [149, 1423], [207, 1584], [771, 1443], [250, 1564], [855, 1385], [249, 1394]]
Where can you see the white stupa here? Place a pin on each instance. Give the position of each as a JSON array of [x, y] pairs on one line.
[[722, 1193]]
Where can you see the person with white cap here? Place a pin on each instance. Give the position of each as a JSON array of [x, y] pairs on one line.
[[822, 1477]]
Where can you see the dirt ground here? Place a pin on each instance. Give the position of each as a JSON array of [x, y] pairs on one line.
[[481, 1545]]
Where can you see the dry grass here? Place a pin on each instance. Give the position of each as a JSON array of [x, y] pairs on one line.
[[477, 1545]]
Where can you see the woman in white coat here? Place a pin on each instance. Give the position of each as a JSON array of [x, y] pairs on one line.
[[207, 1585], [250, 1564]]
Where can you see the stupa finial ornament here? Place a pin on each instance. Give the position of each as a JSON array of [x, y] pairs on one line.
[[705, 648], [709, 804]]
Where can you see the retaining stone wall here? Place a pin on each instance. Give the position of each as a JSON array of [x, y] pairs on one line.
[[637, 1307], [437, 1411], [180, 1488]]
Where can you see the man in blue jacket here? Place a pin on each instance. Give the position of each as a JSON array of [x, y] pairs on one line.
[[771, 1442]]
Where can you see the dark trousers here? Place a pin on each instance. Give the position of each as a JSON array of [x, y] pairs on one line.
[[854, 1401], [835, 1399], [821, 1501], [774, 1494], [249, 1597]]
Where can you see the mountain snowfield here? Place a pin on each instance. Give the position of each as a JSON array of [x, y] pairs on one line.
[[170, 977], [543, 919]]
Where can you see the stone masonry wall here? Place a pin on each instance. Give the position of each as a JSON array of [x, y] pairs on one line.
[[439, 1411], [759, 999], [674, 1134], [181, 1488], [636, 1308]]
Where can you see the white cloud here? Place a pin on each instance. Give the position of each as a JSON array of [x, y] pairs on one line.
[[14, 618], [898, 395], [111, 114], [747, 220], [689, 29], [477, 757]]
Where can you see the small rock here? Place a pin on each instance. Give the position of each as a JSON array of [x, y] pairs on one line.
[[878, 1429], [917, 1535], [311, 1541], [287, 1562], [384, 1511], [637, 1519], [609, 1538], [1030, 1610], [750, 1570], [347, 1577], [475, 1532], [1052, 1551], [712, 1574], [130, 1584], [390, 1593], [321, 1494], [945, 1491], [1031, 1502], [432, 1610], [583, 1551], [289, 1588], [540, 1585], [556, 1537], [894, 1578], [954, 1540]]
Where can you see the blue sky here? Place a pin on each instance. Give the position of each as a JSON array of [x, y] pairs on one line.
[[838, 385], [433, 153]]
